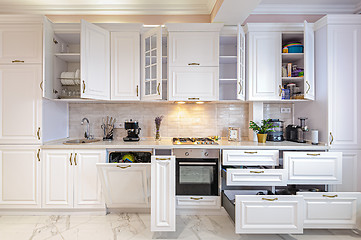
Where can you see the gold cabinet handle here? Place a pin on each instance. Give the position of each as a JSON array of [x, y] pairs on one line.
[[38, 155], [240, 87], [163, 159], [158, 88], [196, 198], [41, 86], [270, 199], [280, 94], [256, 171], [193, 98], [330, 196], [18, 61], [331, 138], [313, 154], [309, 87], [250, 152], [75, 159], [194, 64], [38, 133], [137, 90], [71, 154], [123, 167], [83, 86]]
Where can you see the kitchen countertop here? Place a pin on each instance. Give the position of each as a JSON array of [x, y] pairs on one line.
[[166, 143]]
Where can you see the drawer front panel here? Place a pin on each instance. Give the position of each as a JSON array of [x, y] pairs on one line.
[[197, 202], [256, 177], [313, 168], [269, 214], [250, 157], [331, 210]]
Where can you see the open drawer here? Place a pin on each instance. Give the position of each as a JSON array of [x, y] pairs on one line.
[[255, 177], [331, 209], [266, 214], [313, 167], [198, 202], [125, 185], [250, 157]]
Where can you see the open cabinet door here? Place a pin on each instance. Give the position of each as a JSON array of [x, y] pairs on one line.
[[95, 62], [309, 52], [241, 63], [48, 59], [152, 64]]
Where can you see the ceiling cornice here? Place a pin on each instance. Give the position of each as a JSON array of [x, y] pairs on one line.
[[126, 9], [358, 8], [305, 9]]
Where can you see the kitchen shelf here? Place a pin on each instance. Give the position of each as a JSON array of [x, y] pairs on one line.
[[286, 57], [227, 59], [292, 79], [69, 57], [227, 79], [70, 81]]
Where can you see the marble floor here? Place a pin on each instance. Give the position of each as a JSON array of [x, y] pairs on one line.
[[137, 226]]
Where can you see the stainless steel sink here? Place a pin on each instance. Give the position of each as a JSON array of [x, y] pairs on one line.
[[81, 141]]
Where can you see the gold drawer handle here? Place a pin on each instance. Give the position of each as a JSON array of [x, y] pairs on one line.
[[196, 198], [309, 87], [38, 155], [331, 138], [330, 196], [240, 87], [18, 61], [41, 86], [313, 154], [137, 90], [193, 98], [38, 133], [250, 152], [270, 199], [163, 159], [123, 167], [256, 171], [194, 64]]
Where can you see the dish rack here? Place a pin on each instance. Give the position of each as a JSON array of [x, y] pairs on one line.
[[69, 81]]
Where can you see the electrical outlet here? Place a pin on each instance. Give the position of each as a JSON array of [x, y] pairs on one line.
[[285, 110]]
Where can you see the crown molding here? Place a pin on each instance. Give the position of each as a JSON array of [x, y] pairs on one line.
[[16, 18], [358, 8], [338, 19], [274, 27], [305, 9]]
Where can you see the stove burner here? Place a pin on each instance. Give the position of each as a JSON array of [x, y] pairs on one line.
[[192, 141]]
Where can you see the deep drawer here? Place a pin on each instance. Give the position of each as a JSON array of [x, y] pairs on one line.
[[250, 157], [256, 177]]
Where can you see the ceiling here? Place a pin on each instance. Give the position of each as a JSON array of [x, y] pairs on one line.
[[125, 7]]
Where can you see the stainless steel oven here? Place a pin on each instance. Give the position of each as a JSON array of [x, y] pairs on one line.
[[197, 172]]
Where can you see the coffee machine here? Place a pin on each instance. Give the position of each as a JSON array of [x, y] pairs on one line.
[[133, 131], [296, 133]]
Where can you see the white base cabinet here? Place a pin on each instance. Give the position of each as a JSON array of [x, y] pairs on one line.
[[163, 210], [71, 180], [197, 202], [20, 168], [250, 157]]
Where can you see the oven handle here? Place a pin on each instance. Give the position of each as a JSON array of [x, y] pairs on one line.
[[197, 163]]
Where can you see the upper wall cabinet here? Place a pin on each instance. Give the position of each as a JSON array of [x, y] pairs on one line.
[[125, 65], [280, 62], [20, 43], [76, 61]]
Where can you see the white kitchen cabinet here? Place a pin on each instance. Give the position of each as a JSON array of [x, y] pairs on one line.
[[20, 178], [250, 157], [152, 64], [95, 62], [163, 208], [313, 167], [256, 177], [194, 49], [331, 209], [20, 104], [197, 202], [125, 65], [125, 185], [193, 84], [71, 180], [268, 214], [20, 43]]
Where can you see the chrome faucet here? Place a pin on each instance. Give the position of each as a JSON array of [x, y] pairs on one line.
[[87, 132]]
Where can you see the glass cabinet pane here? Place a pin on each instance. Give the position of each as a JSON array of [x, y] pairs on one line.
[[147, 73], [154, 57], [147, 44], [147, 88], [147, 59], [153, 42], [154, 87], [154, 72]]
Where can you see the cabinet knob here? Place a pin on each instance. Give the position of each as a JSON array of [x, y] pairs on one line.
[[206, 154], [186, 153]]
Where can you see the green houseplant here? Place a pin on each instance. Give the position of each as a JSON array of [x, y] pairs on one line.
[[262, 130]]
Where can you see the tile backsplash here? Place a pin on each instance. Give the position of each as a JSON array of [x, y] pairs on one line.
[[180, 120]]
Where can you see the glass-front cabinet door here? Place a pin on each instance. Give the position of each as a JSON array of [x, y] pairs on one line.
[[152, 64]]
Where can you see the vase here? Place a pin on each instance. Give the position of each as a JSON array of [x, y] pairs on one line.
[[262, 137], [157, 134]]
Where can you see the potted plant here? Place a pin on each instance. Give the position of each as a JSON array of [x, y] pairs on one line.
[[262, 130]]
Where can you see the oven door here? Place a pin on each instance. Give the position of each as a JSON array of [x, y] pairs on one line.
[[197, 177]]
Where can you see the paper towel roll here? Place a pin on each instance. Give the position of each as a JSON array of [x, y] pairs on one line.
[[314, 135]]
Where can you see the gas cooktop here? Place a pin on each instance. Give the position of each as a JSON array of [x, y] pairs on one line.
[[194, 141]]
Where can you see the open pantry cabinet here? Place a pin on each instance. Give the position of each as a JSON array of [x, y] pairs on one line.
[[76, 61]]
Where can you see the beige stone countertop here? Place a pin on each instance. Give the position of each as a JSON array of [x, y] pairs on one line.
[[166, 143]]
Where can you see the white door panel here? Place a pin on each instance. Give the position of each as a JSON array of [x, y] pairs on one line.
[[309, 55]]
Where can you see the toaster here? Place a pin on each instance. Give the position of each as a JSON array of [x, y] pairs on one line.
[[295, 133]]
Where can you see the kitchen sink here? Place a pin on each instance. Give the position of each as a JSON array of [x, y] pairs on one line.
[[81, 141]]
